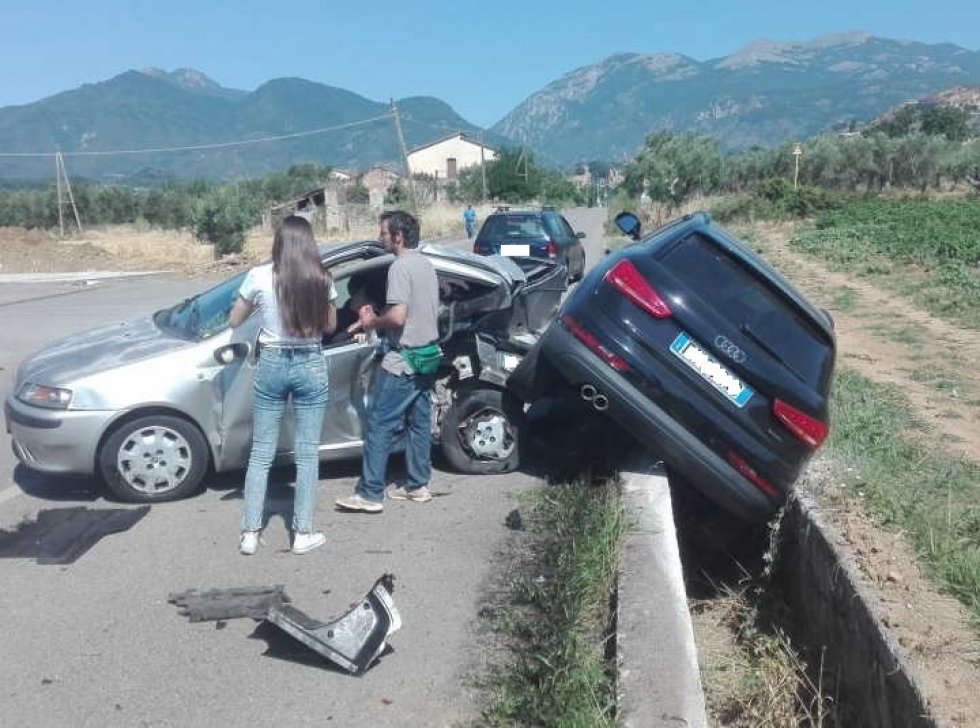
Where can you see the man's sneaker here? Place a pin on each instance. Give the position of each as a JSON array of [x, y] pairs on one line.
[[357, 502], [249, 543], [304, 542], [419, 495]]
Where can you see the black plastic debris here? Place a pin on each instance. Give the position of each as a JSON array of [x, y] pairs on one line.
[[355, 640], [513, 521], [62, 535], [235, 603]]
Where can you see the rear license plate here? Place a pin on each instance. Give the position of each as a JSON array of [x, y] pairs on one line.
[[711, 370], [524, 250]]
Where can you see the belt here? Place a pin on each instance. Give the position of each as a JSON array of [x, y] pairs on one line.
[[292, 347]]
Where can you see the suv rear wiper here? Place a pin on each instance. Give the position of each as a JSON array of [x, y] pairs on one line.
[[769, 350]]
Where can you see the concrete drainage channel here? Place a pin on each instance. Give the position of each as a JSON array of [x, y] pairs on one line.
[[833, 623]]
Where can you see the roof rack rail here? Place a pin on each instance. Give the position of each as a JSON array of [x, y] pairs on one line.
[[503, 208], [548, 208]]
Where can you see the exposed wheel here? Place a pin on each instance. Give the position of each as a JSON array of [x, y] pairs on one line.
[[480, 430], [153, 459]]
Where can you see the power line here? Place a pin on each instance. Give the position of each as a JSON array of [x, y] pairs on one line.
[[198, 147]]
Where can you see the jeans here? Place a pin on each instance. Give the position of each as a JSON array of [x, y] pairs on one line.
[[397, 399], [282, 373]]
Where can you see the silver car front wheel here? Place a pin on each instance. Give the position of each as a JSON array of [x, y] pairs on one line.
[[154, 458]]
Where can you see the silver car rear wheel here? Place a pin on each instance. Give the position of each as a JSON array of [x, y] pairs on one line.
[[154, 458]]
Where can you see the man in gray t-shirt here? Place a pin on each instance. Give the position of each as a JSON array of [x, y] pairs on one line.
[[398, 395]]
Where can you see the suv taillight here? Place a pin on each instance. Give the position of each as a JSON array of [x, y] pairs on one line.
[[589, 339], [753, 477], [476, 248], [809, 429], [626, 279], [552, 249]]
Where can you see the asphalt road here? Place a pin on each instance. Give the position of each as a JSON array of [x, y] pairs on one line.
[[95, 642]]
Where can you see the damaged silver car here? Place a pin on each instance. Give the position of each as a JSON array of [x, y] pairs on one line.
[[153, 405]]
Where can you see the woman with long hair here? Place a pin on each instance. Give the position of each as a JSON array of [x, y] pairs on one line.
[[294, 296]]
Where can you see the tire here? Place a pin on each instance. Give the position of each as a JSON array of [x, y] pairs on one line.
[[480, 432], [153, 459]]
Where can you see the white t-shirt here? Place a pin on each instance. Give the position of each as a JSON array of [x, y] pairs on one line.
[[258, 289]]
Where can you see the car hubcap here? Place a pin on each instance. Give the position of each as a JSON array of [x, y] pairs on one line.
[[488, 434], [154, 459]]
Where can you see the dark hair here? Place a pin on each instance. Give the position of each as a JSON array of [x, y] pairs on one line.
[[301, 283], [400, 221]]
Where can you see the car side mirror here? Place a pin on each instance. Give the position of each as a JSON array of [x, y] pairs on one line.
[[629, 224], [231, 352], [580, 235]]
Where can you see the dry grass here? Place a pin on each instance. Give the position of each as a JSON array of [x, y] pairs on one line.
[[148, 247], [151, 248], [756, 680]]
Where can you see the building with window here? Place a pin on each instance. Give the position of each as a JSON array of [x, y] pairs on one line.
[[445, 158]]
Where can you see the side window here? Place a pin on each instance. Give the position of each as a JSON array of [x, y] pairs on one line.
[[569, 232], [555, 230]]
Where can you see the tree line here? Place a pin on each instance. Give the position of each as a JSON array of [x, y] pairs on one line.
[[915, 148]]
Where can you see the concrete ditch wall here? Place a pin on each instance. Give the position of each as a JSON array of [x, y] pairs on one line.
[[833, 615]]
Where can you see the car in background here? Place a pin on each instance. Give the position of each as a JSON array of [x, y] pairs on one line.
[[543, 233], [153, 405], [703, 353]]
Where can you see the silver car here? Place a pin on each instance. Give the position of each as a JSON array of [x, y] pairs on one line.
[[153, 405]]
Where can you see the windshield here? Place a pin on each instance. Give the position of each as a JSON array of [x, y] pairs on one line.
[[201, 316]]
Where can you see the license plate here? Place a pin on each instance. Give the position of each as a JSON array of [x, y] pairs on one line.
[[711, 370], [524, 250]]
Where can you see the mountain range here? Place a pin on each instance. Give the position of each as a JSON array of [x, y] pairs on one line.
[[764, 94]]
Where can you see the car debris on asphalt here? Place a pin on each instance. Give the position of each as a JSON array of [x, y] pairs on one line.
[[353, 641]]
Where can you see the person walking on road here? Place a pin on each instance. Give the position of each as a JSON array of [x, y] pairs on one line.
[[294, 296], [401, 391], [469, 220]]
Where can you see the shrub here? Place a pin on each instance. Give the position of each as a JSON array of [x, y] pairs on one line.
[[222, 217]]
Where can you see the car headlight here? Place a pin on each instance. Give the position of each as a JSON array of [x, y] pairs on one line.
[[42, 396]]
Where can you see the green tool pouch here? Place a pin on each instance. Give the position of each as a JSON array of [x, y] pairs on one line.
[[423, 359]]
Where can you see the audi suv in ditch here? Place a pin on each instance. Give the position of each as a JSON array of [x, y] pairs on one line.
[[702, 352]]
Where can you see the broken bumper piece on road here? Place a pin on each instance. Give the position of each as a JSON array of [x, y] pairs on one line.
[[353, 641]]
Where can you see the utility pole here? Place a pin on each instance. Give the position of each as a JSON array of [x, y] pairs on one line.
[[522, 162], [483, 167], [64, 186], [408, 170], [797, 152]]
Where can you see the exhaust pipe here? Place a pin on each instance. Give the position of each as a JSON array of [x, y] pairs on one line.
[[591, 395]]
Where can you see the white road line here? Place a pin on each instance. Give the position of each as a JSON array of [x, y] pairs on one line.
[[92, 275]]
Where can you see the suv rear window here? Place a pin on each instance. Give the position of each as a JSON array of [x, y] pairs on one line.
[[758, 310], [507, 227]]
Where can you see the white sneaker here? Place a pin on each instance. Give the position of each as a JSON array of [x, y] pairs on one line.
[[304, 542], [249, 543], [419, 495], [357, 502]]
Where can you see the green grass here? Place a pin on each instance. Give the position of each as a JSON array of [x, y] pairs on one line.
[[844, 300], [556, 624], [913, 336], [933, 497], [924, 248]]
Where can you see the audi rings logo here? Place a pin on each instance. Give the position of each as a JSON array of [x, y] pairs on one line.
[[729, 349]]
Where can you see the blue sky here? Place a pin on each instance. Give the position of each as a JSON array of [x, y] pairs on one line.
[[481, 58]]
